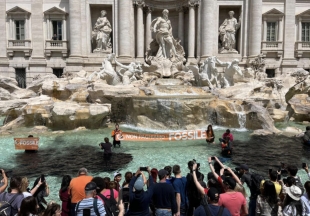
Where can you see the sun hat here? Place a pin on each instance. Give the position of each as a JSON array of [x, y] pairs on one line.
[[294, 192]]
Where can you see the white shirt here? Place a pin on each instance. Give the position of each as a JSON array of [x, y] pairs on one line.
[[27, 194]]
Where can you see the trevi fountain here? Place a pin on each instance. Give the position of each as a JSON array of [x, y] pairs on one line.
[[164, 91]]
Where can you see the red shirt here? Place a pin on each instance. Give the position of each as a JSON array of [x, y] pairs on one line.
[[233, 202]]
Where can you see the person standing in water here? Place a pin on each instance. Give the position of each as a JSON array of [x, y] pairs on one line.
[[114, 134], [210, 135]]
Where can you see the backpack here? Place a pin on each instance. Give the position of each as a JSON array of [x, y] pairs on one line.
[[256, 179], [95, 206], [208, 213], [299, 184], [6, 206], [110, 204]]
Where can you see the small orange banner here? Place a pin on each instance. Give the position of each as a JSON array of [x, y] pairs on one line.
[[174, 136], [31, 143]]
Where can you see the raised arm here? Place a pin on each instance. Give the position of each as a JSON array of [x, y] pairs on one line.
[[234, 175], [5, 181], [224, 64], [199, 187], [121, 65], [37, 186], [212, 169]]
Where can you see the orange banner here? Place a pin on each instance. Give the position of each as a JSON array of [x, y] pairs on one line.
[[174, 136], [31, 143]]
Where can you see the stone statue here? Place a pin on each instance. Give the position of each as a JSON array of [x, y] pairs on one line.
[[165, 52], [161, 26], [131, 72], [208, 72], [227, 33], [107, 72], [102, 33], [230, 70]]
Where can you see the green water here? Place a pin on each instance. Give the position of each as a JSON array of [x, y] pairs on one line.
[[152, 154]]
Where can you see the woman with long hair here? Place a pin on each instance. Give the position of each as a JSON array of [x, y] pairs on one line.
[[305, 197], [210, 135], [24, 187], [41, 192], [293, 206], [267, 203], [128, 177], [53, 209], [64, 196], [28, 207]]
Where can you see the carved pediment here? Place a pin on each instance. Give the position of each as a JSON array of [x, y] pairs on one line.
[[55, 11], [304, 14], [273, 12], [17, 10]]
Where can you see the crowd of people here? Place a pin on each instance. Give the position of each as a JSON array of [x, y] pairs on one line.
[[163, 192]]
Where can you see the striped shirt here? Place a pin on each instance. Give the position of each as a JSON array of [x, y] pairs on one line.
[[89, 204]]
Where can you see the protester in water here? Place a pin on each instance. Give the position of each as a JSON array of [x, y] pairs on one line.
[[107, 154], [226, 147], [210, 135], [64, 195], [227, 134], [117, 131], [306, 137]]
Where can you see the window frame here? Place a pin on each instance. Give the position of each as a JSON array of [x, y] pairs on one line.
[[20, 31], [275, 28], [304, 36]]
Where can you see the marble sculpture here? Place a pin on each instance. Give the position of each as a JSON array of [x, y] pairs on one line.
[[230, 69], [102, 34], [227, 34], [208, 72]]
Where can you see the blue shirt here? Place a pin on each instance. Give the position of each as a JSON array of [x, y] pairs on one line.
[[200, 211], [179, 185], [164, 197]]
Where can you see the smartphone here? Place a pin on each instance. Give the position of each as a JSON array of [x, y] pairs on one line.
[[86, 212], [304, 165], [198, 164], [143, 168], [42, 178], [270, 170], [125, 195], [212, 158]]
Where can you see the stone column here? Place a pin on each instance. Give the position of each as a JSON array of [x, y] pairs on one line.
[[37, 29], [124, 28], [280, 30], [198, 37], [75, 28], [191, 29], [265, 30], [148, 33], [3, 39], [289, 60], [299, 29], [140, 29], [64, 21], [255, 27], [181, 24], [207, 27]]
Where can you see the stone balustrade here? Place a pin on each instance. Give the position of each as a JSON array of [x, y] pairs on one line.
[[272, 46], [302, 47], [56, 46], [19, 46]]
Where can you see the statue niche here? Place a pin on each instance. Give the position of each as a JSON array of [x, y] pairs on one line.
[[101, 34], [227, 33], [165, 52]]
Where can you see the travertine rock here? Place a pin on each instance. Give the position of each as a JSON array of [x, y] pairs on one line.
[[4, 94], [38, 130], [36, 85], [299, 107], [277, 114], [9, 84]]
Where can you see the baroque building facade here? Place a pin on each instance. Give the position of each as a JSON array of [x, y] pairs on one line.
[[57, 36]]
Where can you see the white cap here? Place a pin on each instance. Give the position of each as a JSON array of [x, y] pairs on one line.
[[116, 174]]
